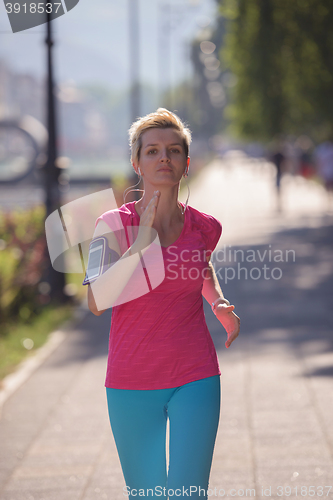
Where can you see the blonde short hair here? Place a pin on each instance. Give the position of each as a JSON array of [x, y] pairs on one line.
[[162, 118]]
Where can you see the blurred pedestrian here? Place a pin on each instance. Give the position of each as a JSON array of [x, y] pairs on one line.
[[277, 157], [324, 160], [304, 148], [162, 362]]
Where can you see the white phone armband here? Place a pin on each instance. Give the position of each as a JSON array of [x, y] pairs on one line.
[[101, 257]]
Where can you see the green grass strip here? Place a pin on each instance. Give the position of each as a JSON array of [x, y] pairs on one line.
[[20, 339]]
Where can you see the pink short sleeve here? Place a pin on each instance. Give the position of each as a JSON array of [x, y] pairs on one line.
[[112, 219], [117, 220], [211, 231]]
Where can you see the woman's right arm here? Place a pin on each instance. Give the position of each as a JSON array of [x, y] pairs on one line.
[[104, 292]]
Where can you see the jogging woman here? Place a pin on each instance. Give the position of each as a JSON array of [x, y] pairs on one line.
[[162, 362]]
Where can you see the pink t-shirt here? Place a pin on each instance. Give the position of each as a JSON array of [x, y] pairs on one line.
[[160, 340]]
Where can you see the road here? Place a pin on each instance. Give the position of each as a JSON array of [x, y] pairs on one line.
[[276, 431]]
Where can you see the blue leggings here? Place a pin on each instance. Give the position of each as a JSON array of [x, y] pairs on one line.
[[138, 420]]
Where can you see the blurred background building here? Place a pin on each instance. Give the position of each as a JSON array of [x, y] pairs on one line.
[[93, 74]]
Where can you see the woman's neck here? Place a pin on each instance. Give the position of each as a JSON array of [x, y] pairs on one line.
[[168, 210]]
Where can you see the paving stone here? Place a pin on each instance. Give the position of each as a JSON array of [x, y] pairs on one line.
[[50, 482], [46, 494]]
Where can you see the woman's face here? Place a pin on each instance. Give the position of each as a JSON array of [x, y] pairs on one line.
[[162, 157]]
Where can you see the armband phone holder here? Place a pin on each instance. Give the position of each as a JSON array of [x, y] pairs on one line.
[[101, 257]]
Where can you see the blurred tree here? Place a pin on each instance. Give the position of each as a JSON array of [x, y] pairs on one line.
[[209, 95], [182, 100], [281, 53]]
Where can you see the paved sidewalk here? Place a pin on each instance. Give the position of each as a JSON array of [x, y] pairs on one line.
[[276, 427]]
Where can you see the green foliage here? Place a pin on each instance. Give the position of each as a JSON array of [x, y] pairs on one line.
[[22, 261], [282, 55], [25, 320], [208, 84]]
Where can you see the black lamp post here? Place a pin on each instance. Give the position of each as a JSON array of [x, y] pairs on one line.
[[55, 279]]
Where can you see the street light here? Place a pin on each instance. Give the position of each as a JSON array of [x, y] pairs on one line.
[[171, 16], [55, 279], [164, 59], [134, 58]]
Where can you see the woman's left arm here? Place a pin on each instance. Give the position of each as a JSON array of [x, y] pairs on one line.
[[223, 310]]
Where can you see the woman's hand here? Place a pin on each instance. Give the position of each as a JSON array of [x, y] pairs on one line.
[[229, 320], [148, 215], [147, 220]]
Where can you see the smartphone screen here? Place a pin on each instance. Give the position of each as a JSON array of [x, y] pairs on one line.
[[95, 259]]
